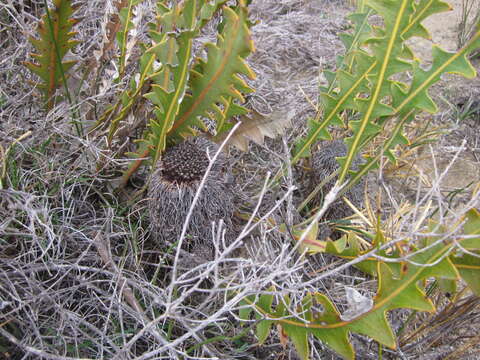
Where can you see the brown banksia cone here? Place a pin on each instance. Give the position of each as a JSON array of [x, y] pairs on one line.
[[323, 165], [172, 188]]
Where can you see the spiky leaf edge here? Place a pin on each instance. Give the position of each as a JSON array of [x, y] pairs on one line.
[[50, 68]]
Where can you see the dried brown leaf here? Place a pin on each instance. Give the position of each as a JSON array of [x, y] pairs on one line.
[[256, 126]]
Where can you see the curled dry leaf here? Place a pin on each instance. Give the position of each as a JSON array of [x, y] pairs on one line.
[[256, 126]]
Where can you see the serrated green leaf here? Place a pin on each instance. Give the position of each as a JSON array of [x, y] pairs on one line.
[[208, 10], [387, 51], [367, 90], [443, 62], [402, 21], [398, 293], [399, 287], [422, 10], [216, 77], [186, 94], [55, 41]]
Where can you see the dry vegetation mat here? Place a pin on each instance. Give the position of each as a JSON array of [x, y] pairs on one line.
[[241, 179]]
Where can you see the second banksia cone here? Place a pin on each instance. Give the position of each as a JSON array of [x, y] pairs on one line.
[[324, 164]]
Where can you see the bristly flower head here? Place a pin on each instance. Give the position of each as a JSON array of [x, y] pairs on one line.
[[172, 189]]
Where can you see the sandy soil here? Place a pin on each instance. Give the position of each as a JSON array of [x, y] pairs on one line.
[[443, 28], [453, 91]]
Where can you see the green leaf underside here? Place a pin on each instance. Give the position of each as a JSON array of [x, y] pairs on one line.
[[47, 66], [263, 327]]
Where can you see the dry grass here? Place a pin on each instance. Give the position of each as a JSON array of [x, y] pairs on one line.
[[80, 274]]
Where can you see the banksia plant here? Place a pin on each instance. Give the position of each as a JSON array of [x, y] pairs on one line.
[[173, 186], [365, 83], [190, 94], [187, 95], [367, 96]]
